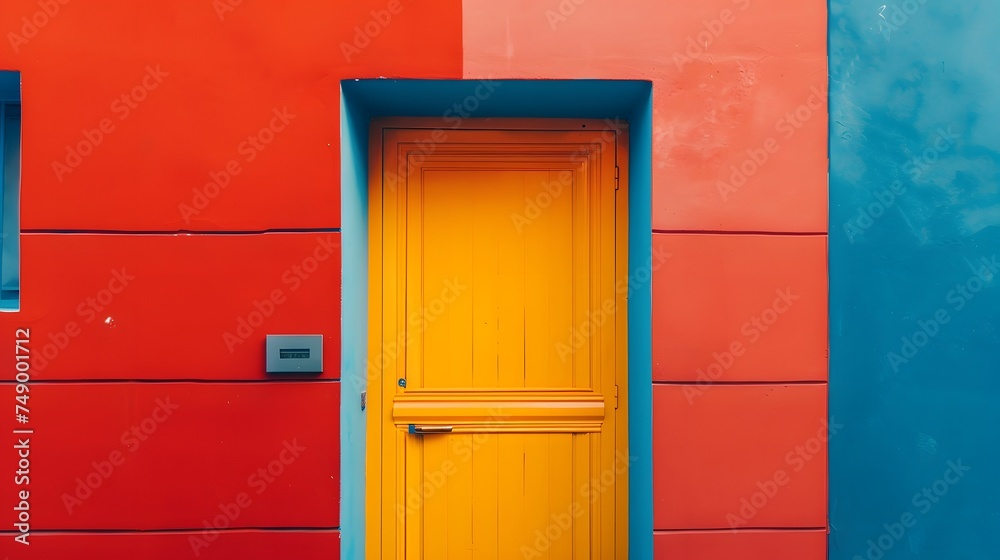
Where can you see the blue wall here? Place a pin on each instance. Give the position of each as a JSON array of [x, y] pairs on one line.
[[915, 206]]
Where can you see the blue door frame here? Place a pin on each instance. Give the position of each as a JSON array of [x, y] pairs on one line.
[[361, 100]]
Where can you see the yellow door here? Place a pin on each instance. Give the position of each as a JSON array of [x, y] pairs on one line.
[[497, 423]]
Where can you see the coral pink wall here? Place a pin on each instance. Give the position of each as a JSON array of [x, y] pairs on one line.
[[739, 200]]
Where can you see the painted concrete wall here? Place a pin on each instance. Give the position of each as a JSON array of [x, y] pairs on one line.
[[914, 239], [180, 200], [739, 193], [181, 171]]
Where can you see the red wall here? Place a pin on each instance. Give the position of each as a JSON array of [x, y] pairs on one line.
[[736, 83], [228, 128]]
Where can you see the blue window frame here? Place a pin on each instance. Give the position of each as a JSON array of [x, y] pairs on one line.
[[10, 187]]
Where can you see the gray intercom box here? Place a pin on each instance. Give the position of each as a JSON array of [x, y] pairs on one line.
[[294, 353]]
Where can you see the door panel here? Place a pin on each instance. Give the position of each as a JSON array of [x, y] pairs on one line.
[[494, 259], [484, 495], [500, 333]]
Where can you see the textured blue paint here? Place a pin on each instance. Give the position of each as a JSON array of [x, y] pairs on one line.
[[627, 100], [640, 337], [354, 324], [914, 93]]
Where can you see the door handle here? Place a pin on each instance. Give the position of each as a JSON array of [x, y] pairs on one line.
[[419, 430]]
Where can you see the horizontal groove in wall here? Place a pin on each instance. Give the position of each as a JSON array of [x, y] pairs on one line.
[[739, 530], [794, 382], [174, 531], [339, 230], [730, 232], [178, 381], [176, 232]]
